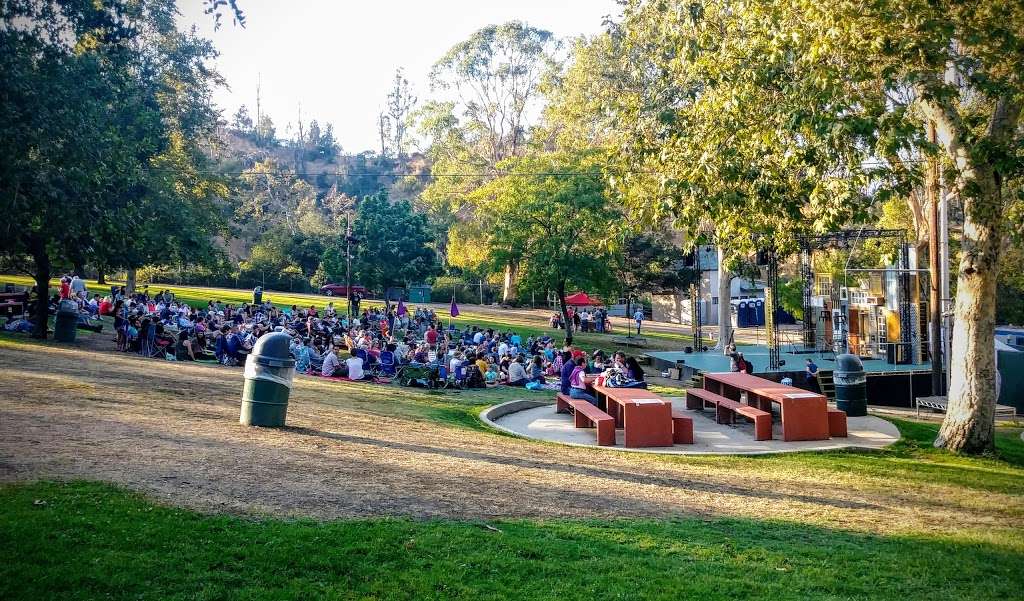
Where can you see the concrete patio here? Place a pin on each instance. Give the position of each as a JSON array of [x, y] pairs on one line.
[[538, 420]]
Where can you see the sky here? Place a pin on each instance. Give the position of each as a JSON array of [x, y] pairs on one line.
[[337, 58]]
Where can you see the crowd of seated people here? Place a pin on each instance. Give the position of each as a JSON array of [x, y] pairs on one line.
[[331, 343]]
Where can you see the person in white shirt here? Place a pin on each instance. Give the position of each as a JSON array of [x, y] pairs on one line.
[[455, 362], [502, 349], [355, 368], [478, 337]]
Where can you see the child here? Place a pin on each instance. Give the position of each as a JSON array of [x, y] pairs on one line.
[[491, 377]]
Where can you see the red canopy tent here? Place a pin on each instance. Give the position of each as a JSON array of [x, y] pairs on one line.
[[581, 298]]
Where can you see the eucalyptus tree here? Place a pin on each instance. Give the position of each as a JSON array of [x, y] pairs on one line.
[[492, 80]]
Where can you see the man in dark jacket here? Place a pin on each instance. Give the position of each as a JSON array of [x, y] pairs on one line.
[[567, 368]]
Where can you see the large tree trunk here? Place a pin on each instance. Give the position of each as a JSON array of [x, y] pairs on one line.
[[101, 277], [129, 283], [969, 426], [560, 290], [42, 278], [724, 306], [509, 290]]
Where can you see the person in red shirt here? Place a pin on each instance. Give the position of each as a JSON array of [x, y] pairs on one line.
[[431, 336], [65, 287]]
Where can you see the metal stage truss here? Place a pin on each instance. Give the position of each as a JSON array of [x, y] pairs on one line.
[[847, 240]]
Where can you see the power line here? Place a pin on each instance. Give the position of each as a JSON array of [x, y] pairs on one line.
[[397, 174]]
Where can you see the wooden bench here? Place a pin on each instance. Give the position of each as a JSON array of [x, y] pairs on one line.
[[727, 409], [837, 423], [682, 428], [586, 415]]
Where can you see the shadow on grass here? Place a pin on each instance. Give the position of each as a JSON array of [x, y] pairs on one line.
[[581, 470], [87, 541]]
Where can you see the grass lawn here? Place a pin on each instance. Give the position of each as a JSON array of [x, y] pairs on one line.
[[908, 522], [89, 541]]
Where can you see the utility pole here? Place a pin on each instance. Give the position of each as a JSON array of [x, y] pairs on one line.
[[934, 270], [348, 259]]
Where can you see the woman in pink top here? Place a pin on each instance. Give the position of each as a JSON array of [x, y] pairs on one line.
[[577, 387]]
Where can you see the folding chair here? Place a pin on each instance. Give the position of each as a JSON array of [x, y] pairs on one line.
[[387, 363]]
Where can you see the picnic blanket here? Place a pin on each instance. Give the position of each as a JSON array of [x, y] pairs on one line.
[[317, 374]]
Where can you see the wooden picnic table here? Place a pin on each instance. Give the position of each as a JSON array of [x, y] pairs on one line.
[[645, 418], [804, 414]]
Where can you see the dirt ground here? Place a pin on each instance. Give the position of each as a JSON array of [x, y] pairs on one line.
[[171, 430]]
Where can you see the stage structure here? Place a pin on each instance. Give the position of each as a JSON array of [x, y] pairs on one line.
[[881, 316]]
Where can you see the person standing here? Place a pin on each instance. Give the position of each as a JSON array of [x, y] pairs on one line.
[[638, 317], [811, 375]]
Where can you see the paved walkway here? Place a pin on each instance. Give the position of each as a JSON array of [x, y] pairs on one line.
[[542, 423]]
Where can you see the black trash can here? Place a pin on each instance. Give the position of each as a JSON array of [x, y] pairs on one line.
[[257, 295], [851, 385], [66, 324], [268, 382]]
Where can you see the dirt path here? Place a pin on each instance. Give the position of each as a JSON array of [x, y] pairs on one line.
[[171, 430]]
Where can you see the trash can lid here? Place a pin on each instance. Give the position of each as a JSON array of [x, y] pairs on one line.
[[68, 306], [273, 348], [848, 362]]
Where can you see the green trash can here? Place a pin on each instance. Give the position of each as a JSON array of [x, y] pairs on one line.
[[65, 327], [257, 295], [851, 386], [268, 382]]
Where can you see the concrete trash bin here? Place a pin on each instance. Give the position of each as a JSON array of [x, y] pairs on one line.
[[851, 385], [65, 327], [268, 382]]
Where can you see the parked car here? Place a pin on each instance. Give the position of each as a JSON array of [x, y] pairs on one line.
[[342, 290]]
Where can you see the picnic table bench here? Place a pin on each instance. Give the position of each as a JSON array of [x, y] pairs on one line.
[[804, 415], [586, 415], [726, 411]]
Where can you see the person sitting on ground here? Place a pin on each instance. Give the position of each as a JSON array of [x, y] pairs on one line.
[[537, 370], [183, 348], [491, 375], [354, 366], [332, 365], [516, 373], [302, 357]]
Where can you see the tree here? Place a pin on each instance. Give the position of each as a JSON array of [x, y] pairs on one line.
[[394, 243], [242, 122], [557, 226], [650, 263], [770, 114], [96, 96], [495, 75], [394, 121]]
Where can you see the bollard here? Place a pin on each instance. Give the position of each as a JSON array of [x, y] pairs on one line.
[[268, 382]]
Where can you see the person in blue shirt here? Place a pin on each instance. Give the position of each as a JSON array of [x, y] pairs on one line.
[[811, 374], [567, 368]]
